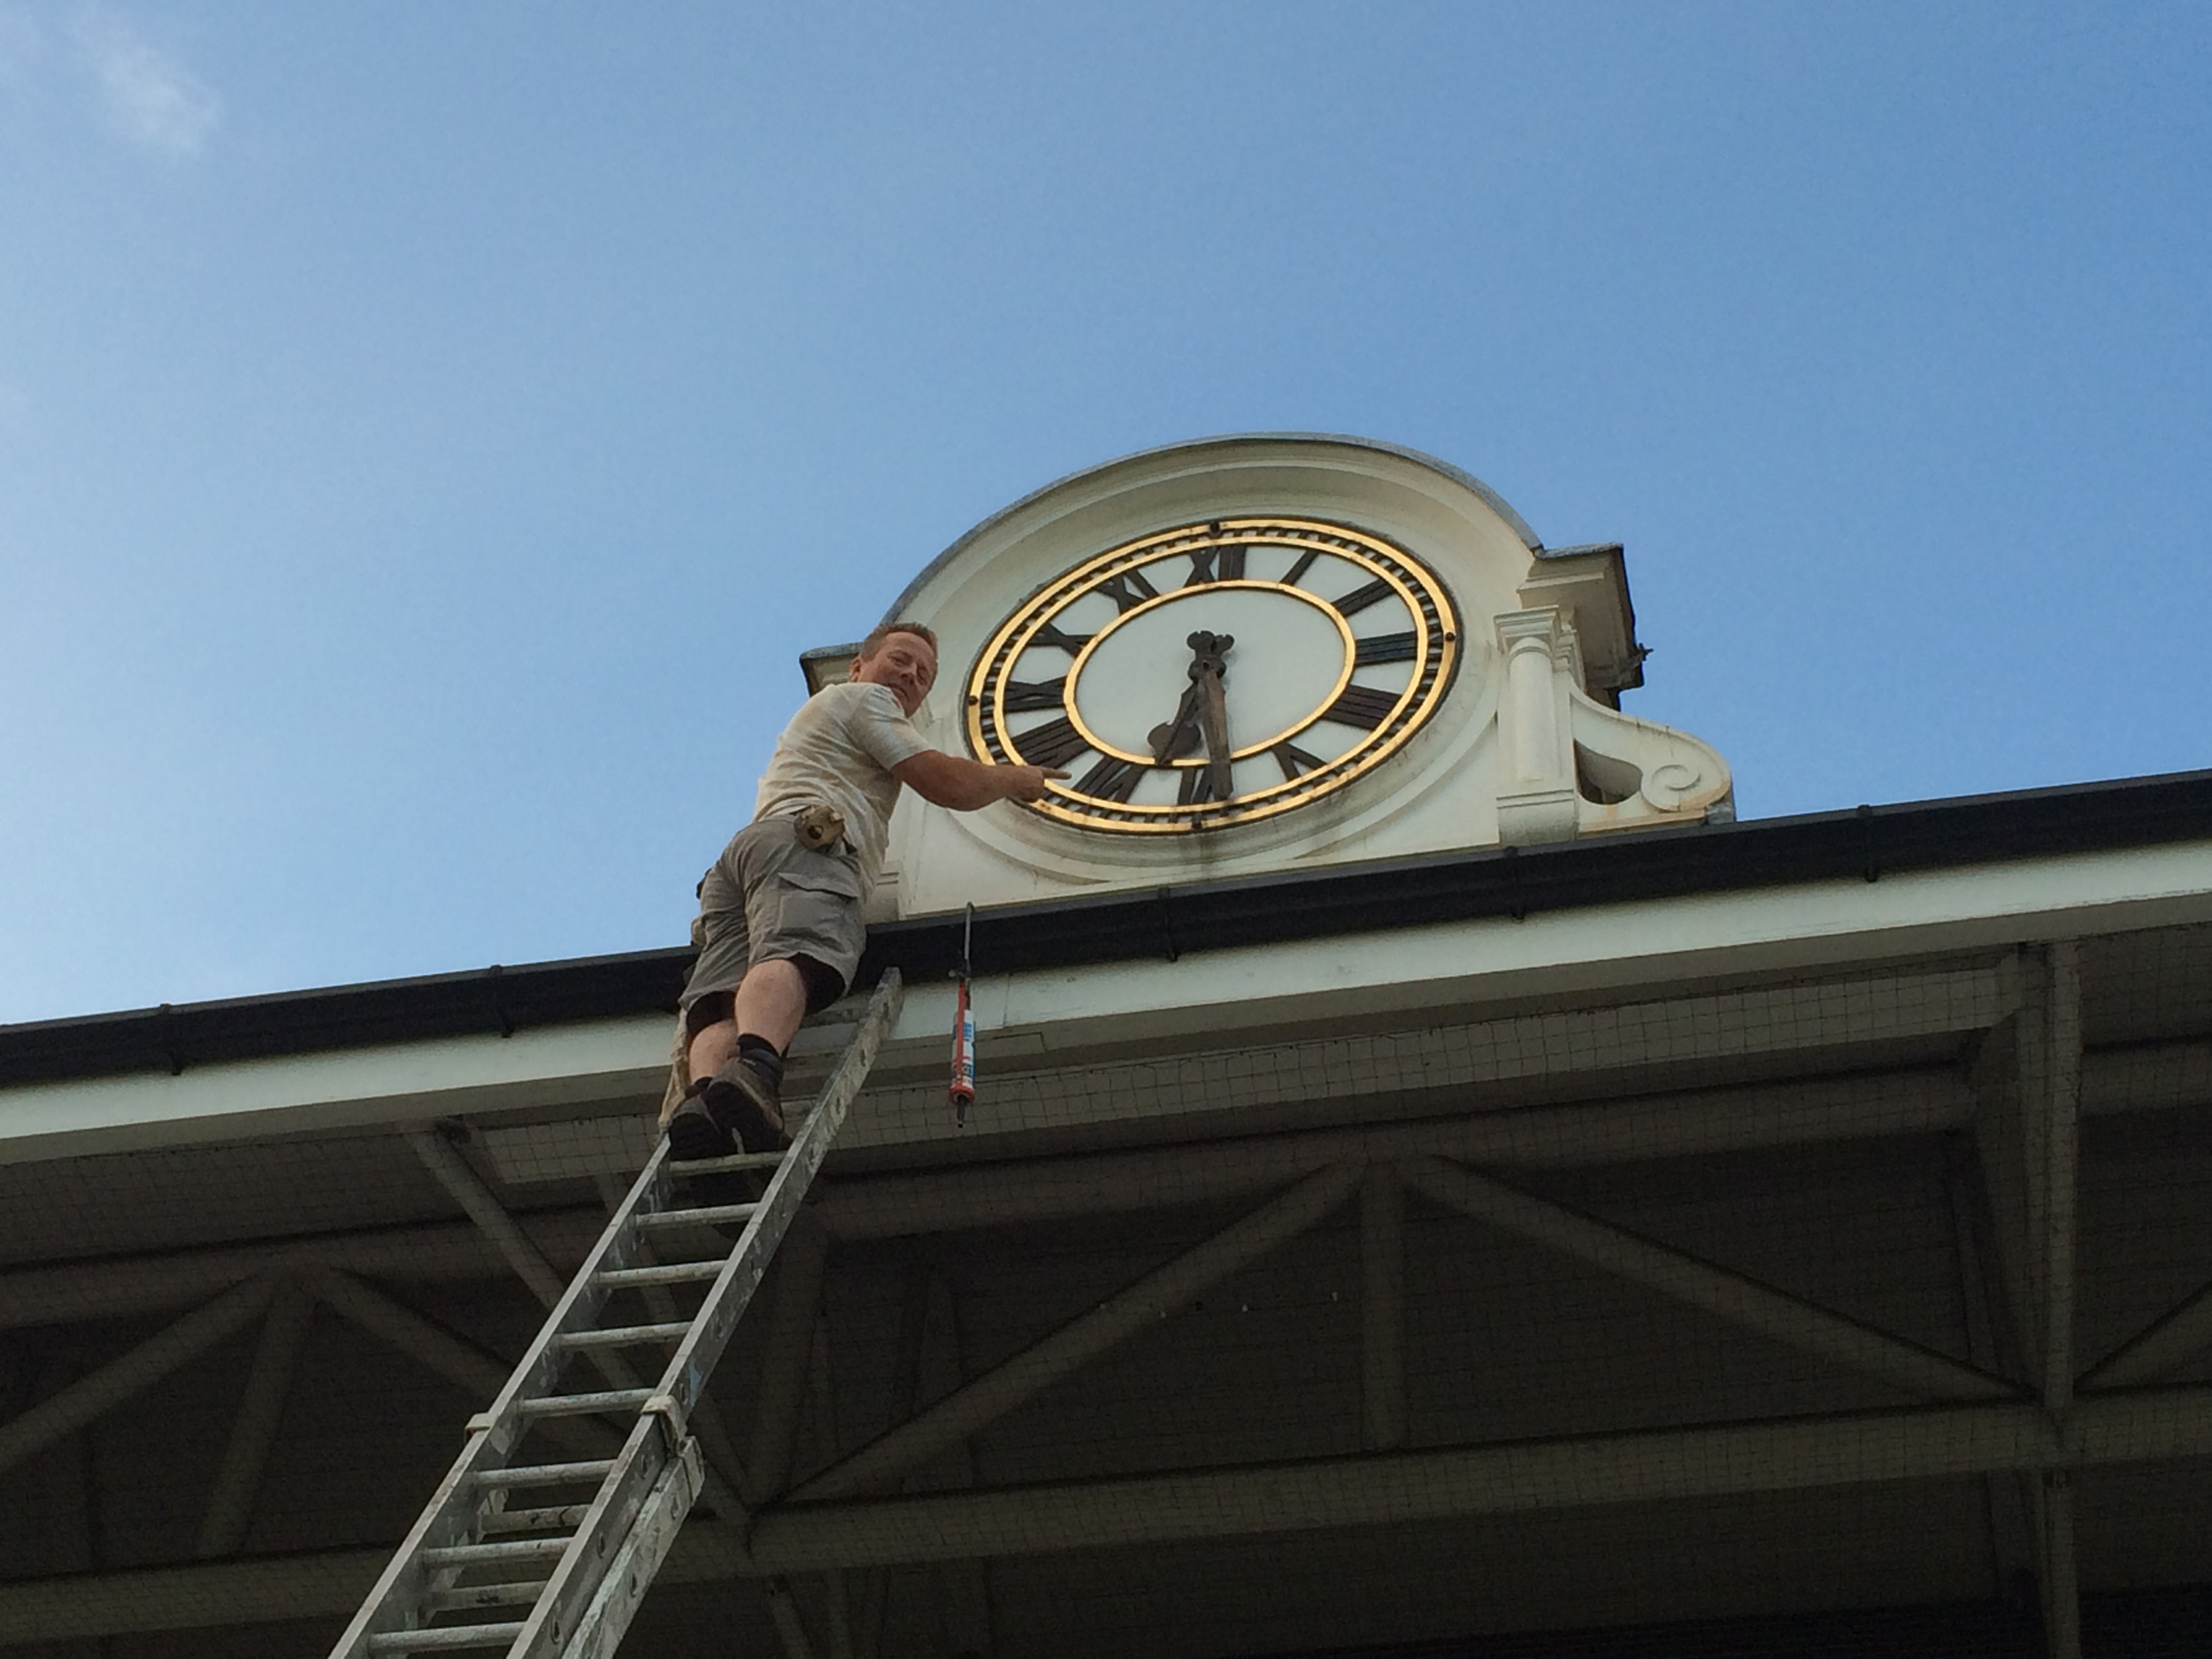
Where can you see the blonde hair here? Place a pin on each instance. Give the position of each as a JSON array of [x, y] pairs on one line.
[[885, 630]]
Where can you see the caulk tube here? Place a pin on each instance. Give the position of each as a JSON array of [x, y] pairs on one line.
[[963, 1090]]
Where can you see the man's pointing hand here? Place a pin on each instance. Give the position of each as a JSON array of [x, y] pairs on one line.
[[1026, 783]]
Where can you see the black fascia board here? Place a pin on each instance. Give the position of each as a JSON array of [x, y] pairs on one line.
[[496, 1000], [1164, 923]]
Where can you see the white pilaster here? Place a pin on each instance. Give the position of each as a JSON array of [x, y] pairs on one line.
[[1536, 794]]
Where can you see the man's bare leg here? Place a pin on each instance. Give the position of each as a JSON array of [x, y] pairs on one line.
[[771, 1003]]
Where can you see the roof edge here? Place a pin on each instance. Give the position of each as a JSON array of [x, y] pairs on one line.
[[1864, 842]]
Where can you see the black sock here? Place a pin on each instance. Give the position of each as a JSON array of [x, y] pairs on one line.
[[762, 1053]]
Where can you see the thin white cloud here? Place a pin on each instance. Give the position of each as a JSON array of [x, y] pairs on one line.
[[149, 97]]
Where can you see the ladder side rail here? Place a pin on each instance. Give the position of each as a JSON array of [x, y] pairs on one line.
[[455, 1509], [637, 1561], [576, 1581], [616, 1511]]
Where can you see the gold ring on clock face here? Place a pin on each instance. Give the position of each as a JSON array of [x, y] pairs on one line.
[[1216, 673]]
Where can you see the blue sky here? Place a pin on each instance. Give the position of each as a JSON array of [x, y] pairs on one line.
[[428, 434]]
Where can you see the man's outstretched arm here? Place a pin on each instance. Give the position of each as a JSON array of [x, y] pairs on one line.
[[963, 785]]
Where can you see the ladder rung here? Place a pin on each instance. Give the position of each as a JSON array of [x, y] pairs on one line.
[[727, 1164], [671, 1273], [449, 1640], [545, 1474], [540, 1520], [582, 1405], [628, 1335], [484, 1555], [734, 1161], [705, 1216], [522, 1593]]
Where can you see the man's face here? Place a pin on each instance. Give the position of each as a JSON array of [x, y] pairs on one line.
[[905, 663]]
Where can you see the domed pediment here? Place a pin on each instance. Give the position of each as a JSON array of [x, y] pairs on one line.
[[1271, 653]]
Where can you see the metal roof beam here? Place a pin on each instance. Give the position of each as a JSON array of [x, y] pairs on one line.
[[1731, 1295], [1382, 1256], [1083, 1339], [467, 1189], [1669, 1464], [2007, 1497], [62, 1414], [479, 1375], [122, 1287], [1625, 1130], [1662, 1040], [2059, 1106], [1660, 1465], [2175, 1339], [261, 1413], [2030, 1078], [2059, 1580], [265, 1589]]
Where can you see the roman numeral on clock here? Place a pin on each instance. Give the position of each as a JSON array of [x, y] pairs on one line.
[[1379, 647], [1215, 565], [1361, 707], [1112, 779], [1128, 589], [1054, 743], [1071, 643], [1195, 787], [1296, 762], [1360, 598], [1026, 697]]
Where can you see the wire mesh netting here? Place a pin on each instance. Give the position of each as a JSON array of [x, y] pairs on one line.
[[1862, 1310]]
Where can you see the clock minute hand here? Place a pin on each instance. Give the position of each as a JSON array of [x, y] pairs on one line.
[[1205, 709], [1208, 670]]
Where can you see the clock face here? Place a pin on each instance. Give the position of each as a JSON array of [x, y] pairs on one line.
[[1215, 674]]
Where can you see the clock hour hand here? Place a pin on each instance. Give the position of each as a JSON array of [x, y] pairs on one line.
[[1171, 740]]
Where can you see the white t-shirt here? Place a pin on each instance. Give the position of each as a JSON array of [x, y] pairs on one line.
[[839, 751]]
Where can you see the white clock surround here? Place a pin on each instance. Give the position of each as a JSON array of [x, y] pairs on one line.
[[1524, 747]]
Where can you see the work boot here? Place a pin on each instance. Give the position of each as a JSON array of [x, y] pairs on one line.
[[744, 1099], [691, 1132]]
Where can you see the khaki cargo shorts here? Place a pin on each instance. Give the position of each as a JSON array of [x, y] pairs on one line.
[[770, 897]]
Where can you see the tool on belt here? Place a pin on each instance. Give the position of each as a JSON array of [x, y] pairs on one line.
[[820, 828], [962, 1093]]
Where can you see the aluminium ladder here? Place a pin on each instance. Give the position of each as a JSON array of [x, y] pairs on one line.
[[601, 1538]]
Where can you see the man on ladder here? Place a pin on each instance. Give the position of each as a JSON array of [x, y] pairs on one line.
[[780, 930], [780, 919]]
